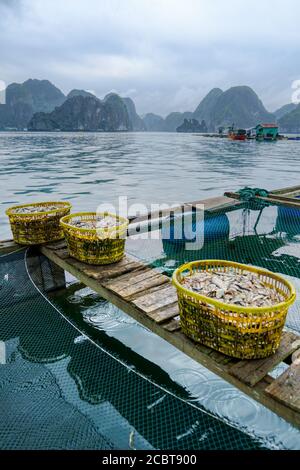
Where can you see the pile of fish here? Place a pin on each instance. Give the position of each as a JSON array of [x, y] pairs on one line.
[[92, 224], [245, 289], [33, 209]]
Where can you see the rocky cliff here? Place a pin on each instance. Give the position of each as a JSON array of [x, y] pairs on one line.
[[205, 109], [84, 113], [287, 108], [239, 106], [136, 121], [290, 122], [23, 100], [192, 125]]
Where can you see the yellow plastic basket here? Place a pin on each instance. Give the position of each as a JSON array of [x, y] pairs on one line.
[[241, 332], [38, 227], [95, 246]]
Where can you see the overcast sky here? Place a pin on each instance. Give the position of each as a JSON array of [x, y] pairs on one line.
[[165, 54]]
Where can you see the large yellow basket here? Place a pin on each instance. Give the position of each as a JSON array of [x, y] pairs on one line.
[[241, 332], [95, 246], [38, 227]]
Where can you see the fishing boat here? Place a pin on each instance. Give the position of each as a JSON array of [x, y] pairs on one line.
[[238, 134]]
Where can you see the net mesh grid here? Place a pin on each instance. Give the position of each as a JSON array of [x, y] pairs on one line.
[[41, 408], [60, 390]]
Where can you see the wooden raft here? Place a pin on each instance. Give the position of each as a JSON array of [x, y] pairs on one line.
[[150, 298]]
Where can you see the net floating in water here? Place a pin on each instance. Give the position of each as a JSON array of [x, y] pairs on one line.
[[33, 224], [91, 242], [237, 331]]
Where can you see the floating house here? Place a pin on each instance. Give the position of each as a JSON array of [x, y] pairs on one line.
[[266, 132]]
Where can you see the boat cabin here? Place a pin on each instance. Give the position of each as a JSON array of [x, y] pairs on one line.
[[266, 132]]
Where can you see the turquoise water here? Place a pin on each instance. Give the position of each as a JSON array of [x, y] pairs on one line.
[[88, 169]]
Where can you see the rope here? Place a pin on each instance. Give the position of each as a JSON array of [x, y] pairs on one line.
[[246, 194]]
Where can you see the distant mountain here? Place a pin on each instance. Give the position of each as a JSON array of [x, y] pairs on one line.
[[23, 100], [76, 92], [290, 122], [84, 113], [136, 121], [287, 108], [118, 112], [173, 120], [240, 106], [192, 125], [206, 107], [153, 122]]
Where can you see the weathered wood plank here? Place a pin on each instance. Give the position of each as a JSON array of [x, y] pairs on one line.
[[284, 201], [150, 302], [213, 202], [138, 287], [251, 372], [126, 265], [286, 388], [288, 190], [165, 313], [8, 246], [296, 357], [124, 280]]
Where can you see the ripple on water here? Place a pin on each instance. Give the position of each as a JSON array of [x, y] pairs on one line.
[[107, 317]]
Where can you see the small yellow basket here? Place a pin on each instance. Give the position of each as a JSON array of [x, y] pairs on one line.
[[37, 227], [241, 332], [98, 245]]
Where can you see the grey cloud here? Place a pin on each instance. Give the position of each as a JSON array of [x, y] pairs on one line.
[[167, 54]]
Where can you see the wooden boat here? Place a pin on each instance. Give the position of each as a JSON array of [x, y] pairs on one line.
[[239, 134]]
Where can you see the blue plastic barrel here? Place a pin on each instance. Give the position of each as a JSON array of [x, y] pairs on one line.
[[288, 219], [186, 228]]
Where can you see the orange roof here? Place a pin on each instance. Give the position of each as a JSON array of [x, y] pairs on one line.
[[269, 125]]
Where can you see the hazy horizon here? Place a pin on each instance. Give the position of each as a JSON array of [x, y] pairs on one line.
[[165, 55]]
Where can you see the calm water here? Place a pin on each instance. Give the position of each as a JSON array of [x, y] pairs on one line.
[[93, 168], [89, 169]]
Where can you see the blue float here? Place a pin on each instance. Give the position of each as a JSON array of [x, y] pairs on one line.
[[288, 219]]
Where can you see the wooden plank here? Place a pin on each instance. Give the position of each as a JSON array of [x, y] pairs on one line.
[[213, 203], [288, 190], [209, 203], [287, 198], [124, 280], [126, 265], [251, 372], [8, 246], [165, 313], [139, 286], [284, 201], [150, 302], [214, 361], [286, 388]]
